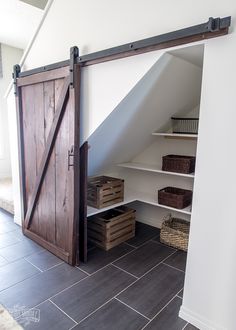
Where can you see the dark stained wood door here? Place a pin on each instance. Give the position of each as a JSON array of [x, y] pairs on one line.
[[48, 119]]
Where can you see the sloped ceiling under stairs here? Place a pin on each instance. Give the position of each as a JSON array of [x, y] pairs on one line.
[[171, 86]]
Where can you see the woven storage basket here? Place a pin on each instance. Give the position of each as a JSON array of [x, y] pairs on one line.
[[185, 125], [175, 232], [178, 164], [175, 197]]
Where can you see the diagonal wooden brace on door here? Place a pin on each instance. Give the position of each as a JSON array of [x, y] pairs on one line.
[[60, 110]]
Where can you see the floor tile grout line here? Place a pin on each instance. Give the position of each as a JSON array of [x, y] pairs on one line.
[[51, 297], [5, 259], [83, 271], [69, 287], [125, 271], [158, 242], [33, 265], [8, 245], [95, 271], [122, 302], [112, 262], [63, 312], [182, 271], [25, 279], [93, 312], [185, 326], [129, 252], [105, 265], [160, 311], [54, 266], [179, 292], [133, 246]]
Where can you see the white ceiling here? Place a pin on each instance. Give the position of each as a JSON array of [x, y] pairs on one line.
[[18, 22]]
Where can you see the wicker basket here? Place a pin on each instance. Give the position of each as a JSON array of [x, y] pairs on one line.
[[178, 164], [175, 232], [185, 125], [175, 197]]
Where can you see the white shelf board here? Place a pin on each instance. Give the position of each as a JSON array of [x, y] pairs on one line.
[[152, 199], [152, 168], [131, 196], [176, 135]]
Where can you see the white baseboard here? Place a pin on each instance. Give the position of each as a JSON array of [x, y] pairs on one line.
[[150, 221], [17, 220], [197, 320]]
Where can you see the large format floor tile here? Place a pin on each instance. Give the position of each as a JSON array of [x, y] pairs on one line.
[[16, 272], [36, 289], [143, 233], [50, 318], [177, 260], [113, 315], [7, 226], [44, 260], [168, 318], [98, 258], [190, 327], [5, 216], [3, 261], [20, 250], [144, 258], [86, 296], [8, 239], [154, 290]]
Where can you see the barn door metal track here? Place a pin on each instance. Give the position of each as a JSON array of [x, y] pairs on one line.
[[214, 27]]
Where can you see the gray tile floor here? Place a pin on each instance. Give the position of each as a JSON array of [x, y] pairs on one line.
[[136, 285]]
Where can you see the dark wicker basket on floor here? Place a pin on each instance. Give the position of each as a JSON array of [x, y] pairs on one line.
[[175, 233], [178, 164], [175, 197]]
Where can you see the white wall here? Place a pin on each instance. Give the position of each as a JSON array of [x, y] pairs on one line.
[[10, 56], [209, 296]]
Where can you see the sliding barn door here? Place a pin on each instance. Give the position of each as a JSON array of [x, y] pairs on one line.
[[48, 108]]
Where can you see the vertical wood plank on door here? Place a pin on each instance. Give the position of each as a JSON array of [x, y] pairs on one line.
[[29, 127], [62, 176], [40, 145], [50, 177], [46, 202], [71, 184]]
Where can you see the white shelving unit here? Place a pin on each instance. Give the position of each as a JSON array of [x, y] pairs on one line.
[[132, 196], [153, 168]]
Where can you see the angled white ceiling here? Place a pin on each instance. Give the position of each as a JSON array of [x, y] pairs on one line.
[[190, 54], [18, 22], [37, 3], [171, 85]]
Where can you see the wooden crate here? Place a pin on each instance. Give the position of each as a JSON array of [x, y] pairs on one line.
[[112, 227], [104, 191]]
